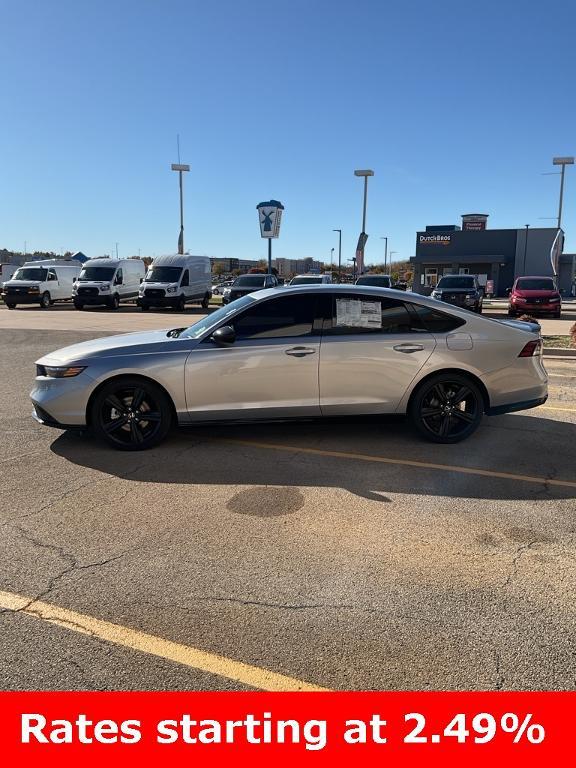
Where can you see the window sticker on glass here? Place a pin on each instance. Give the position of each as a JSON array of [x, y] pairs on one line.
[[355, 313]]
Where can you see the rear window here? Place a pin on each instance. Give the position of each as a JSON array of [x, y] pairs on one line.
[[305, 280], [434, 321], [381, 281], [250, 281], [536, 284]]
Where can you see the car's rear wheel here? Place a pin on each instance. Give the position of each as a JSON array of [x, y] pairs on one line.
[[131, 414], [447, 408]]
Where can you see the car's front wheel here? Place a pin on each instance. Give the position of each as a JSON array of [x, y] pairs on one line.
[[45, 300], [131, 414], [11, 306], [447, 408]]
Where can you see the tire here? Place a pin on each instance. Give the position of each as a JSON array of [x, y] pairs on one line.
[[52, 302], [144, 307], [125, 427], [479, 309], [180, 305], [511, 313], [205, 301], [11, 306], [113, 302], [78, 304], [447, 408], [45, 300]]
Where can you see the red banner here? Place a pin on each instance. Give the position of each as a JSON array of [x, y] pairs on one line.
[[212, 729]]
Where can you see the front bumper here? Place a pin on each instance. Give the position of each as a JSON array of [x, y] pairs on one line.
[[62, 403], [21, 298], [157, 301], [93, 300], [552, 309]]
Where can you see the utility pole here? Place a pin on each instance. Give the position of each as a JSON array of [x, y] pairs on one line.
[[385, 255], [526, 244], [339, 254]]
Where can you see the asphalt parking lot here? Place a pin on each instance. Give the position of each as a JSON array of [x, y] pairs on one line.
[[342, 555]]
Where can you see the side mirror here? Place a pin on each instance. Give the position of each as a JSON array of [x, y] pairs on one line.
[[508, 291], [224, 336]]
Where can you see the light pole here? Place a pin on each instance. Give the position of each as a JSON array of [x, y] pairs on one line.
[[181, 168], [116, 250], [563, 162], [525, 249], [385, 255], [339, 254], [331, 261], [363, 236]]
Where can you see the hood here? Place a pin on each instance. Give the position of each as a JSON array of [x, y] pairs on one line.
[[549, 293], [22, 283], [114, 346]]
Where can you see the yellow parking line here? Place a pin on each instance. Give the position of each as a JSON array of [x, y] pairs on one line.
[[556, 408], [194, 658], [403, 462]]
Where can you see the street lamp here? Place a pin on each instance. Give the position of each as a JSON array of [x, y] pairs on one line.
[[385, 254], [563, 162], [331, 261], [363, 236], [181, 168], [339, 254]]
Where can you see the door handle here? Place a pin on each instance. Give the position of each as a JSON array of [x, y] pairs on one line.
[[409, 348], [300, 351]]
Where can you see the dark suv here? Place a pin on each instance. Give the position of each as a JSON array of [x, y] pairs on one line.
[[460, 290], [248, 284]]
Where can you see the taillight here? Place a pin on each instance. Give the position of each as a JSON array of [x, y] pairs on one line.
[[532, 348]]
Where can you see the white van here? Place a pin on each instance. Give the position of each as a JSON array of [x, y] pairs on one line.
[[6, 272], [310, 279], [108, 281], [174, 281], [41, 282]]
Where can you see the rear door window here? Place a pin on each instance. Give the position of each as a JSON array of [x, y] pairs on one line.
[[433, 321], [361, 314]]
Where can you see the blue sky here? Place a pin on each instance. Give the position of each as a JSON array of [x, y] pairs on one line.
[[457, 107]]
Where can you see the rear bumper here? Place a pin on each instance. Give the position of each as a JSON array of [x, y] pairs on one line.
[[512, 407]]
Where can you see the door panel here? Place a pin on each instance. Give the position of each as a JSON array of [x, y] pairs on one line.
[[270, 371], [370, 355]]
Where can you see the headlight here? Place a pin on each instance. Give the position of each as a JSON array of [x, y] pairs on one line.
[[105, 287], [227, 291], [554, 299], [59, 372], [172, 289], [518, 298], [33, 289], [436, 294]]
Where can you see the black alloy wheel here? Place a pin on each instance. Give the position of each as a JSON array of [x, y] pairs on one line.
[[447, 408], [131, 414], [45, 300]]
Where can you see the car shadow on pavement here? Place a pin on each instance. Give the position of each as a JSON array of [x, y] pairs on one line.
[[305, 456]]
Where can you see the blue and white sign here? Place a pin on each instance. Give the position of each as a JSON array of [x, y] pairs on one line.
[[270, 214]]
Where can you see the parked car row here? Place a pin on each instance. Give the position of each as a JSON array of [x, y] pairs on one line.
[[171, 281]]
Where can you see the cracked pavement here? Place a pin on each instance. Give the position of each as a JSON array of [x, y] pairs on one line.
[[341, 573]]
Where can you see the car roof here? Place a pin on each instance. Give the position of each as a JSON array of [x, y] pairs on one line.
[[535, 277], [376, 290]]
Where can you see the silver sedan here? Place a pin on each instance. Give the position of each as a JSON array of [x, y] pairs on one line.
[[311, 351]]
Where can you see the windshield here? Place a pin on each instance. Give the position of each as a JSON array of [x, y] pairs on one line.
[[199, 328], [382, 280], [457, 282], [250, 280], [97, 273], [31, 273], [163, 274], [536, 284], [305, 280]]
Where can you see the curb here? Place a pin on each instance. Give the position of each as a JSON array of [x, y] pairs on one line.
[[559, 352]]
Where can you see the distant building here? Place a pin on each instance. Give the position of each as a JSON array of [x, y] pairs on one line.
[[497, 256], [290, 267]]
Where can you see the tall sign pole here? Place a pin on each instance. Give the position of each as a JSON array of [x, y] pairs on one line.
[[363, 236], [563, 162], [181, 168], [270, 216], [339, 254]]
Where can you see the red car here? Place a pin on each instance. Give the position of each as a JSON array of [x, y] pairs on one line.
[[533, 295]]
